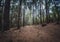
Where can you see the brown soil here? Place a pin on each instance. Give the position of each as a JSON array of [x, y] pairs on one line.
[[32, 33]]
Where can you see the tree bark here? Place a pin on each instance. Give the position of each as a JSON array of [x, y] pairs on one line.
[[40, 13], [19, 14], [6, 15], [47, 11]]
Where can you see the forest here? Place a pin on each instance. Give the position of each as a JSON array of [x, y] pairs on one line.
[[29, 20]]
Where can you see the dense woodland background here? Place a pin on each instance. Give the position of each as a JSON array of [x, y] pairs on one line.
[[17, 13]]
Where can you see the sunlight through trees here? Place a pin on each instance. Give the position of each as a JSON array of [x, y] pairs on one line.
[[17, 13]]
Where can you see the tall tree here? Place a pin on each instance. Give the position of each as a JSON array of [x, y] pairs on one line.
[[34, 4], [47, 10], [56, 13], [0, 15], [54, 9], [24, 3], [33, 10], [40, 12], [0, 2], [6, 15], [19, 14]]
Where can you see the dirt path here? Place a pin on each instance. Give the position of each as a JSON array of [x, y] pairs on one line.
[[33, 33]]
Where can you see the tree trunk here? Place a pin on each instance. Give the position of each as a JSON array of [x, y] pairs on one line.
[[6, 15], [47, 11], [43, 16], [0, 16], [24, 17], [19, 14], [0, 2], [40, 14], [33, 10]]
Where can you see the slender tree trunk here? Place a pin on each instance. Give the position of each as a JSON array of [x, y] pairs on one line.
[[19, 14], [0, 2], [47, 11], [33, 14], [58, 18], [55, 18], [40, 14], [33, 9], [57, 14], [11, 19], [43, 16], [6, 15], [24, 16], [0, 22], [0, 16]]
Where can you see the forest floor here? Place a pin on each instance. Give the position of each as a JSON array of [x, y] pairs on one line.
[[32, 33]]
